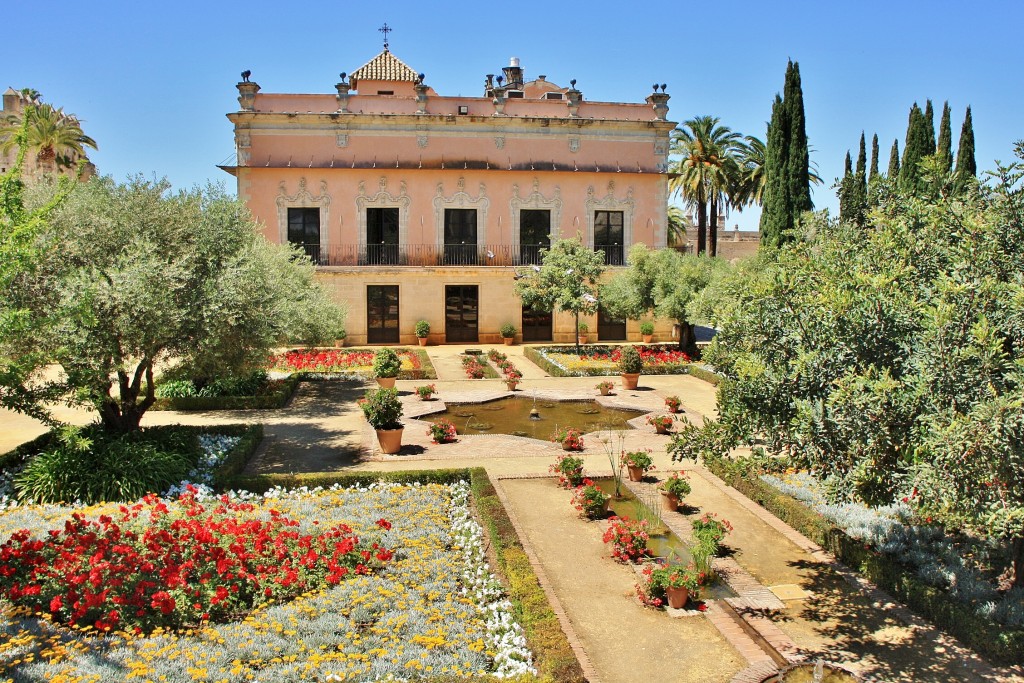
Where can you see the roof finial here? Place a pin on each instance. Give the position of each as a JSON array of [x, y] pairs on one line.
[[385, 29]]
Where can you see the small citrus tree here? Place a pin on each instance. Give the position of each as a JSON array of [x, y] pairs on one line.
[[566, 280]]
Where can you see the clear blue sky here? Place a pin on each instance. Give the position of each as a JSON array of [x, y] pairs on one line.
[[153, 81]]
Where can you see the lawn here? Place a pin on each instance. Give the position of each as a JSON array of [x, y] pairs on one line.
[[432, 608]]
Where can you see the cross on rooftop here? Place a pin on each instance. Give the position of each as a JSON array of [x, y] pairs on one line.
[[385, 29]]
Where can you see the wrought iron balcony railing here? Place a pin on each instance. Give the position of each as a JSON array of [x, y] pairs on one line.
[[439, 255]]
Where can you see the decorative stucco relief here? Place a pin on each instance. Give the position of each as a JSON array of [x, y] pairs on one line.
[[461, 200], [383, 199], [610, 203], [535, 200], [305, 200]]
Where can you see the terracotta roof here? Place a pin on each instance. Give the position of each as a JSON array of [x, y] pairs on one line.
[[384, 67]]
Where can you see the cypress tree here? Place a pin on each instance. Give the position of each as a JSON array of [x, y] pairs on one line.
[[862, 162], [894, 162], [846, 191], [873, 173], [775, 206], [945, 146], [965, 164], [929, 128], [914, 149], [799, 157]]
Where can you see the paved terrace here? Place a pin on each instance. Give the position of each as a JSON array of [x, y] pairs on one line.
[[795, 601]]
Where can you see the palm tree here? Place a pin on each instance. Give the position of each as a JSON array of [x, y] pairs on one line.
[[706, 171], [677, 225], [56, 138]]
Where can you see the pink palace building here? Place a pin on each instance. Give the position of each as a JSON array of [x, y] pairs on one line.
[[418, 206]]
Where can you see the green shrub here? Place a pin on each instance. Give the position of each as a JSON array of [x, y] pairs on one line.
[[646, 328], [175, 388], [382, 408], [630, 362], [89, 465], [386, 363], [507, 331], [422, 328]]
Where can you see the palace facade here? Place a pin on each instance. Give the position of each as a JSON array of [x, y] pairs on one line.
[[418, 206]]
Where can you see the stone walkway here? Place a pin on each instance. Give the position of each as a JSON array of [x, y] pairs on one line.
[[826, 609]]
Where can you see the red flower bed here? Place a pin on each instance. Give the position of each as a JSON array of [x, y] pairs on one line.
[[652, 356], [175, 564], [328, 360]]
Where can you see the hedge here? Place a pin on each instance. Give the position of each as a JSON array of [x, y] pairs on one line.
[[704, 373], [277, 394], [994, 641]]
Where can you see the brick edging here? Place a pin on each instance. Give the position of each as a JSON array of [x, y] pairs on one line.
[[556, 606]]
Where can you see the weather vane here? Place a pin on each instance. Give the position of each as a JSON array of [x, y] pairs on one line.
[[385, 29]]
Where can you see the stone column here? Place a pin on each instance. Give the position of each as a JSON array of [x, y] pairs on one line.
[[343, 88]]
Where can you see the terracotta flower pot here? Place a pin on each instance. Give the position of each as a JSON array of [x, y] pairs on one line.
[[386, 382], [647, 338], [660, 428], [422, 341], [340, 343], [677, 597], [507, 341], [635, 473], [673, 409], [582, 338], [605, 392], [630, 379], [511, 385], [390, 440], [669, 501]]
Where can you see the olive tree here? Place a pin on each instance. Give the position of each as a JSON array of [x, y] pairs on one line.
[[132, 276], [663, 282]]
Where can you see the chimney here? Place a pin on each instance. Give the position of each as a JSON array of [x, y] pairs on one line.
[[513, 74]]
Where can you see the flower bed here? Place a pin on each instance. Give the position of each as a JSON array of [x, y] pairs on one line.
[[563, 361], [434, 609], [477, 368], [274, 395], [316, 363]]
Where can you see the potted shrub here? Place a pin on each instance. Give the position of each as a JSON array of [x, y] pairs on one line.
[[383, 411], [508, 333], [591, 501], [672, 403], [386, 365], [661, 423], [442, 431], [426, 391], [630, 367], [512, 378], [570, 438], [422, 331], [647, 331], [605, 387], [339, 337], [569, 469], [638, 463], [581, 332], [659, 581], [673, 490]]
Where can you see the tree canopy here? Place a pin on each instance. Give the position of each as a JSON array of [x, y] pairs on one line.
[[889, 358], [664, 283], [132, 276]]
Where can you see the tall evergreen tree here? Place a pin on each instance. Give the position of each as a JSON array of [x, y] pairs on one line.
[[894, 162], [775, 207], [799, 157], [945, 145], [787, 191], [862, 162], [846, 191], [873, 173], [965, 164], [914, 149], [929, 128]]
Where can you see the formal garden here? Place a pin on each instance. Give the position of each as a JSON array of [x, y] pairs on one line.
[[862, 397]]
